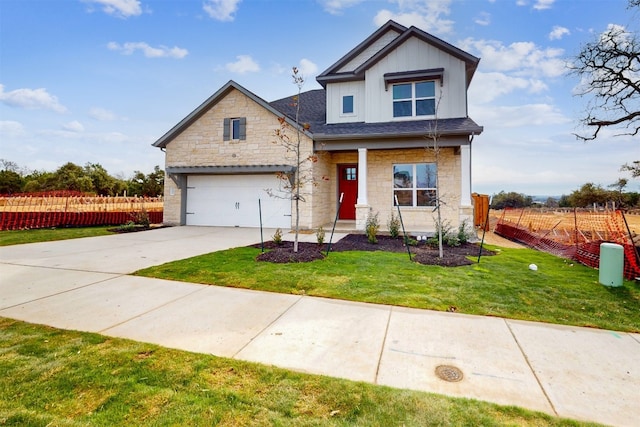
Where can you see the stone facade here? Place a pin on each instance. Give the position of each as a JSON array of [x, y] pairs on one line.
[[380, 186], [202, 144]]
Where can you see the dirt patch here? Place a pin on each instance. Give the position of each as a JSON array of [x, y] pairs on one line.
[[424, 254]]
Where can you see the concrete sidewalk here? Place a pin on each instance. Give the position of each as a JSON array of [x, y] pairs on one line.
[[580, 373]]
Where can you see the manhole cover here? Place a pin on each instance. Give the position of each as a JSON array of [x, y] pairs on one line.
[[449, 373]]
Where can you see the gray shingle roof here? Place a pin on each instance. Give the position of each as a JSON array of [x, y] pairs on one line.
[[313, 111]]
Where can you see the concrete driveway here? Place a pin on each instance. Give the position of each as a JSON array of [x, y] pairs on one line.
[[83, 284]]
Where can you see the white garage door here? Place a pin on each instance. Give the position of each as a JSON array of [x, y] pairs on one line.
[[232, 201]]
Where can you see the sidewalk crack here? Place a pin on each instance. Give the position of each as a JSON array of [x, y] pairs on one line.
[[384, 342], [546, 396]]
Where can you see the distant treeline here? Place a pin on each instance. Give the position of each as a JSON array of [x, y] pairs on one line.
[[586, 196], [91, 178]]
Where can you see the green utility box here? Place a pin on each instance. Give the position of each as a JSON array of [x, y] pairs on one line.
[[611, 264]]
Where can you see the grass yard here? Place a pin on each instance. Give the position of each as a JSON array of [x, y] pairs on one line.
[[19, 237], [66, 378], [560, 291]]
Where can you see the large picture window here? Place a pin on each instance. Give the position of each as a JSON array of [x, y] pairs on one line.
[[414, 99], [415, 184]]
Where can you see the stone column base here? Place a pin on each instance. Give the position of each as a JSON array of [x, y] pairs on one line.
[[362, 213], [466, 213]]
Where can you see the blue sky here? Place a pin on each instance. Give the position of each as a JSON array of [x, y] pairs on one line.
[[100, 80]]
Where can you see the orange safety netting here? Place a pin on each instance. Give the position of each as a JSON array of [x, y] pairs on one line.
[[52, 210], [573, 234]]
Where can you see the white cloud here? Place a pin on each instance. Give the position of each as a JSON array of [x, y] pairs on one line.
[[538, 5], [102, 114], [486, 87], [244, 64], [74, 126], [558, 32], [307, 68], [522, 58], [426, 15], [519, 116], [119, 8], [543, 4], [148, 51], [31, 99], [483, 18], [221, 10], [10, 128], [335, 7]]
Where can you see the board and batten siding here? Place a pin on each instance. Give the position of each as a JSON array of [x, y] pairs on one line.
[[371, 50], [335, 92], [414, 54]]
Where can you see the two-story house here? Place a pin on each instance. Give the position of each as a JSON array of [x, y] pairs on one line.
[[371, 129]]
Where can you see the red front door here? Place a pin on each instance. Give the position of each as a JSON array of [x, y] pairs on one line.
[[348, 185]]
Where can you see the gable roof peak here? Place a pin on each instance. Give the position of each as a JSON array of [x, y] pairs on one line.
[[208, 104], [336, 72]]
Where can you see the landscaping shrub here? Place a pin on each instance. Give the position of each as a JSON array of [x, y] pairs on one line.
[[372, 227], [394, 225], [277, 237], [320, 235]]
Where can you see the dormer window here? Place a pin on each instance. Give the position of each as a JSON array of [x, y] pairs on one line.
[[414, 99]]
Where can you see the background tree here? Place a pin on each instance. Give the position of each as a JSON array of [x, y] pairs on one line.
[[510, 200], [150, 185], [551, 203], [564, 201], [103, 183], [10, 182], [588, 195], [92, 178], [609, 69], [633, 167]]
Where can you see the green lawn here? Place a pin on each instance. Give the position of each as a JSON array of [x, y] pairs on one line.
[[19, 237], [560, 291], [66, 378]]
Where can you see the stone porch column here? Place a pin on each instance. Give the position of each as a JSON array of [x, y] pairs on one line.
[[362, 203]]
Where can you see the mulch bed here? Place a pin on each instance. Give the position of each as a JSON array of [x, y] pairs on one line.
[[424, 254]]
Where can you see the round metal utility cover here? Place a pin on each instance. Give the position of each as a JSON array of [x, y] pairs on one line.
[[449, 373]]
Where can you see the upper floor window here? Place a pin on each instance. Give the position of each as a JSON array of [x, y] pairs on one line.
[[235, 129], [414, 99], [347, 104]]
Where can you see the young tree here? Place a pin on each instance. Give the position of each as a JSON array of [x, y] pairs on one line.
[[434, 137], [295, 182], [609, 69]]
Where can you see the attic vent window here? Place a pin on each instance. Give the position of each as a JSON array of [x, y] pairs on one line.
[[235, 129]]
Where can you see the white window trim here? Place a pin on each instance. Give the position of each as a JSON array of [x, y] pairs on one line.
[[342, 113], [232, 135], [414, 189], [413, 100]]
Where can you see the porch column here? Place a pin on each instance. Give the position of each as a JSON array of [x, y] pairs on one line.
[[362, 203], [465, 175], [362, 177]]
